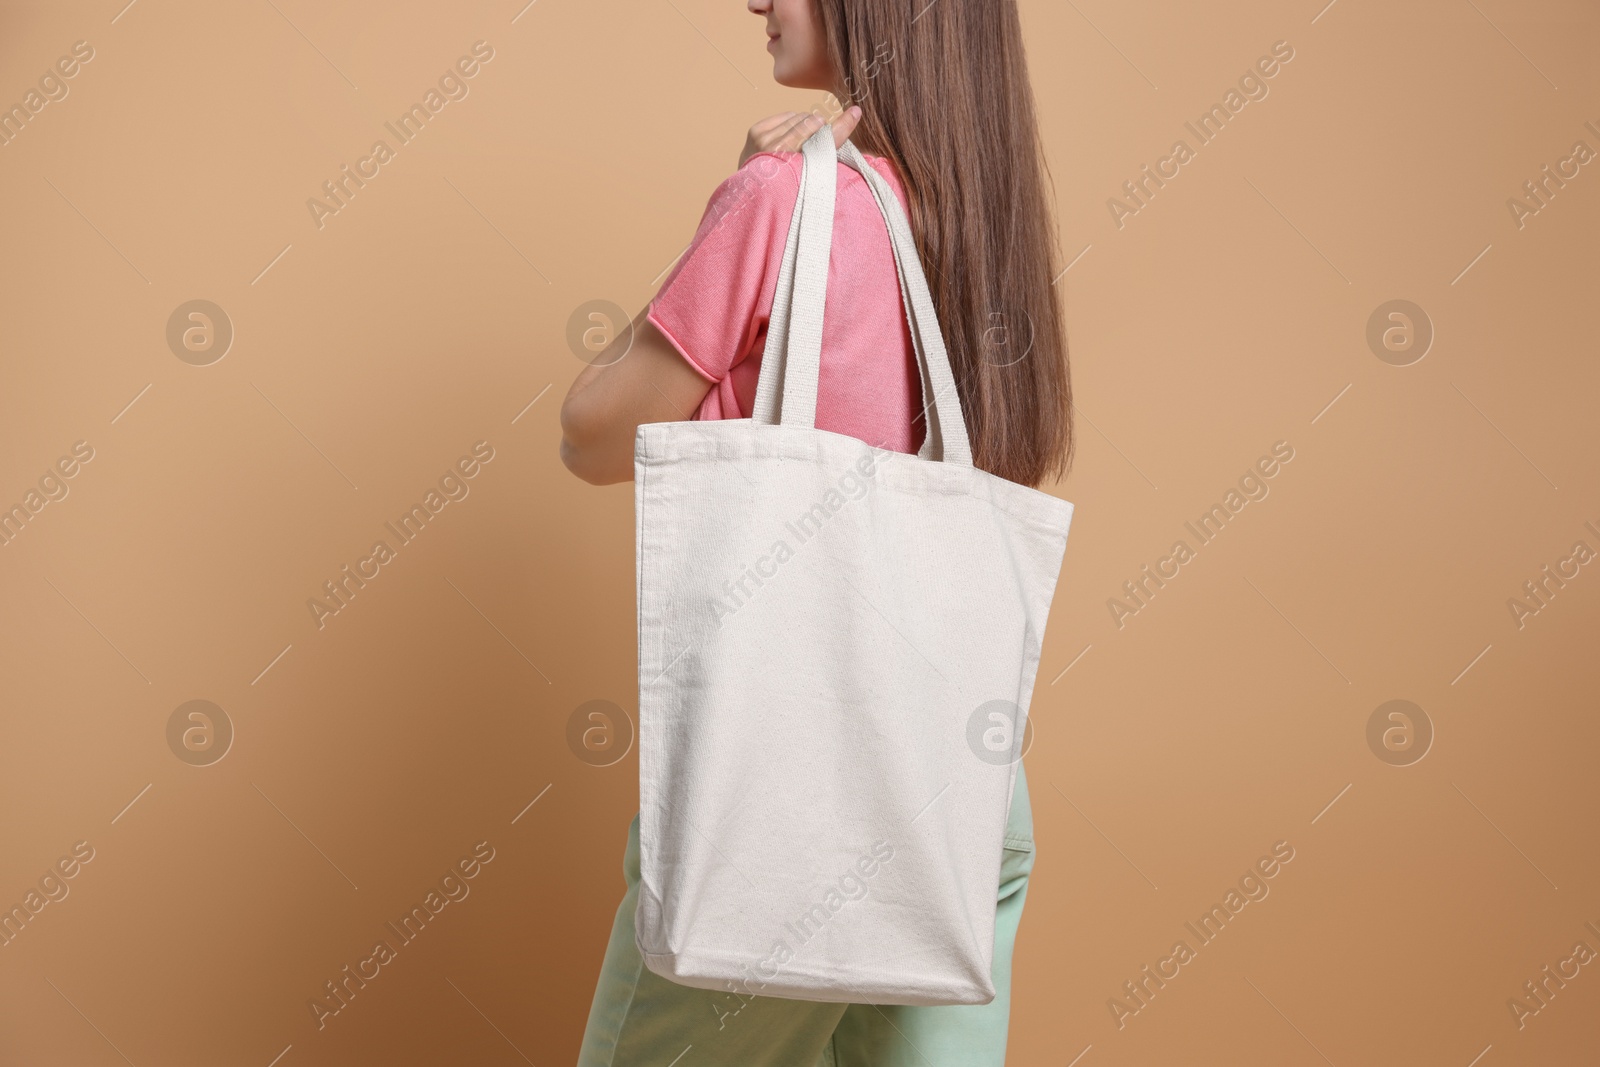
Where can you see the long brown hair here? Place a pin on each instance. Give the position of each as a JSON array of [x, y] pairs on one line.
[[944, 95]]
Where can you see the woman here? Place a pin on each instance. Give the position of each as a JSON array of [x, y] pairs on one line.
[[939, 104]]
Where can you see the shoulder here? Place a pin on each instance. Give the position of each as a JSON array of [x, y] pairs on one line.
[[773, 178], [755, 205], [766, 180]]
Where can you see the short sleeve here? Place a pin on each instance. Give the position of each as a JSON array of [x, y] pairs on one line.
[[714, 305]]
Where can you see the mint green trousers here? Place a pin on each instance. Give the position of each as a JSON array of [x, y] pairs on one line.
[[639, 1019]]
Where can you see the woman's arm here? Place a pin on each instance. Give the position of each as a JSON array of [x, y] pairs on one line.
[[613, 396], [652, 382]]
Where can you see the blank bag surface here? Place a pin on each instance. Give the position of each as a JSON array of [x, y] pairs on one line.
[[837, 649]]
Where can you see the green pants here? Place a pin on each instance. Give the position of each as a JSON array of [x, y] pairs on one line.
[[639, 1019]]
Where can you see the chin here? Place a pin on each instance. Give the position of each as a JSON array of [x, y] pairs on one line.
[[792, 80], [785, 73]]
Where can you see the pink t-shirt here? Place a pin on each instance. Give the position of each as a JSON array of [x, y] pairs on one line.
[[714, 305]]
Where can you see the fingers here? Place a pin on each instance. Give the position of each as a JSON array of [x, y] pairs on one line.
[[845, 124], [789, 130], [772, 122], [795, 134]]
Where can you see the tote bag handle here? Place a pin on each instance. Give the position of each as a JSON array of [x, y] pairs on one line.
[[787, 390]]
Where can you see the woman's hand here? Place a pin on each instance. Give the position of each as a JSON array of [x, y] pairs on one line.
[[786, 132]]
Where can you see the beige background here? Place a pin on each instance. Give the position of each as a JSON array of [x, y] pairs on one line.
[[431, 312]]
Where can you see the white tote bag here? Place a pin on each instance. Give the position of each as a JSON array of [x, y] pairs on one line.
[[837, 647]]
